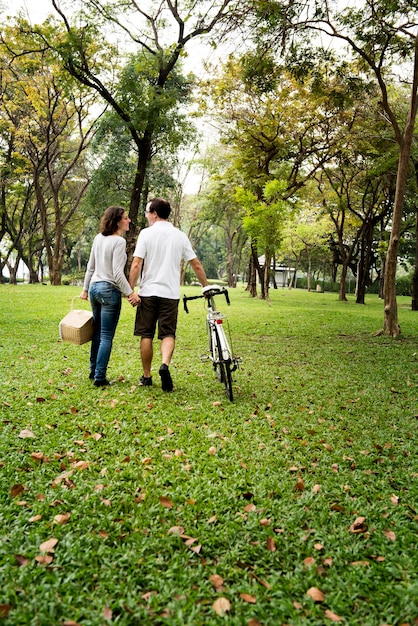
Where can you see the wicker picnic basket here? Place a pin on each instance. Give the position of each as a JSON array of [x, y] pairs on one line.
[[77, 326]]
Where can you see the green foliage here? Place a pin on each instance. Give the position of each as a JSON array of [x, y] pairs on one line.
[[323, 431], [264, 220]]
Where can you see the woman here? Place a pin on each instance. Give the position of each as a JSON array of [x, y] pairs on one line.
[[104, 284]]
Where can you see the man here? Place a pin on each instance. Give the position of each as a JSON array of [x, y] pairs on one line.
[[157, 258]]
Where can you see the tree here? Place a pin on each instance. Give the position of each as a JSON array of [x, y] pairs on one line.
[[221, 208], [380, 34], [306, 233], [47, 114], [175, 24], [264, 221], [277, 127]]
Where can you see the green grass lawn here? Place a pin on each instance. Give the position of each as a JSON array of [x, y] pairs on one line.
[[296, 504]]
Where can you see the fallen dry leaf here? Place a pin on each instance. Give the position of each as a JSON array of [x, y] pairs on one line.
[[35, 518], [271, 544], [16, 490], [5, 610], [80, 465], [49, 545], [216, 580], [333, 616], [300, 485], [37, 456], [394, 499], [358, 526], [309, 561], [316, 488], [21, 560], [389, 534], [175, 530], [315, 594], [44, 559], [62, 518], [249, 507], [212, 450], [247, 598], [26, 434], [107, 613], [221, 606], [166, 502], [197, 549]]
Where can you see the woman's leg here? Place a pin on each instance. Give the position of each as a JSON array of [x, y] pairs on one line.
[[96, 310], [110, 300]]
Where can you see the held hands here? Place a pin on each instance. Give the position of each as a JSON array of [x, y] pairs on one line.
[[134, 299]]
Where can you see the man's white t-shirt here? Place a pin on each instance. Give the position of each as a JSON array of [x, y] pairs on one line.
[[162, 248]]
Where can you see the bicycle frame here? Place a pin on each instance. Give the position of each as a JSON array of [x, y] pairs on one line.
[[223, 360]]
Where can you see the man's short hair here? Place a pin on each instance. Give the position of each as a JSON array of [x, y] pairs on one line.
[[161, 207]]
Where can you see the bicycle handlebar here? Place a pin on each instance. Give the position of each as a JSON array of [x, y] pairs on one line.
[[211, 293]]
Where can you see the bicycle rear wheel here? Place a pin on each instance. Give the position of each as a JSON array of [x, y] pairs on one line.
[[227, 378]]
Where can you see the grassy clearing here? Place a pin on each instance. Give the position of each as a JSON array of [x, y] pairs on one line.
[[151, 528]]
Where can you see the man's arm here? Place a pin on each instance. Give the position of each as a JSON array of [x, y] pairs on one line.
[[197, 267], [135, 271]]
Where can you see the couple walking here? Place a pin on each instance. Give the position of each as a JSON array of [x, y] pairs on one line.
[[157, 258]]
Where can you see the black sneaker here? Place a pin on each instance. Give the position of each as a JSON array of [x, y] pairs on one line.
[[166, 380], [145, 381], [102, 383], [91, 375]]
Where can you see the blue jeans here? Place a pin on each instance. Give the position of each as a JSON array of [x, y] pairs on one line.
[[106, 302]]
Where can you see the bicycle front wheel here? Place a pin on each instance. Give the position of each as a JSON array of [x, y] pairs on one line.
[[226, 378]]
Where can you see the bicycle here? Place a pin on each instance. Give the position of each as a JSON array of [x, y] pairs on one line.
[[219, 351]]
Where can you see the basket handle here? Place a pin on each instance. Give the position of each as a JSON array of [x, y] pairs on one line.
[[72, 301]]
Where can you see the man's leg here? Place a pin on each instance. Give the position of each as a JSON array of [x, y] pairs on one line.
[[167, 349], [167, 323], [146, 355]]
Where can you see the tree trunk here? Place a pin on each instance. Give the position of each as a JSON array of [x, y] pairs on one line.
[[309, 271], [144, 151], [414, 301], [252, 273], [342, 294], [266, 278], [390, 322], [363, 267]]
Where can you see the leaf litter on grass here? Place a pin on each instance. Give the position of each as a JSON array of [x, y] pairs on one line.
[[315, 417]]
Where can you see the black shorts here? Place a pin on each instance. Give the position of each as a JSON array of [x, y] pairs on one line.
[[154, 309]]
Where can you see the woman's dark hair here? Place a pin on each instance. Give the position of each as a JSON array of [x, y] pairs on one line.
[[160, 206], [110, 219]]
